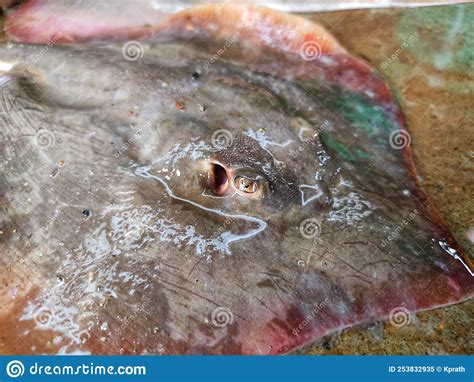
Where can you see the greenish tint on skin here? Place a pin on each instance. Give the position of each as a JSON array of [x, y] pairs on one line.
[[340, 149], [368, 117], [362, 154], [360, 112]]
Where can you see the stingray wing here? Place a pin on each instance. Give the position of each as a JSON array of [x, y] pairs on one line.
[[103, 275]]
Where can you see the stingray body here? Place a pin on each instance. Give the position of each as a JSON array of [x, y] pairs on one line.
[[234, 183]]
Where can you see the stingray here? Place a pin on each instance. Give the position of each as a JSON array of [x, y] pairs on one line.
[[224, 180]]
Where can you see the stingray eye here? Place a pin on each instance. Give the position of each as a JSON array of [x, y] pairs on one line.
[[246, 185], [223, 181]]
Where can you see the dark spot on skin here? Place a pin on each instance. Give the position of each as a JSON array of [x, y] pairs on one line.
[[55, 172], [86, 213], [267, 283], [195, 76]]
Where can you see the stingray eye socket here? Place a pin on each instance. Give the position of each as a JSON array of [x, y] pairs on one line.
[[220, 179], [246, 185]]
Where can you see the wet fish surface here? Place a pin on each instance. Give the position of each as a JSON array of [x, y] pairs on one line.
[[227, 181]]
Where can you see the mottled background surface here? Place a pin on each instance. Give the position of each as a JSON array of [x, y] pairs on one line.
[[427, 54]]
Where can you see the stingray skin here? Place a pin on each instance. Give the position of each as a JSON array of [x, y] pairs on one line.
[[115, 238]]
